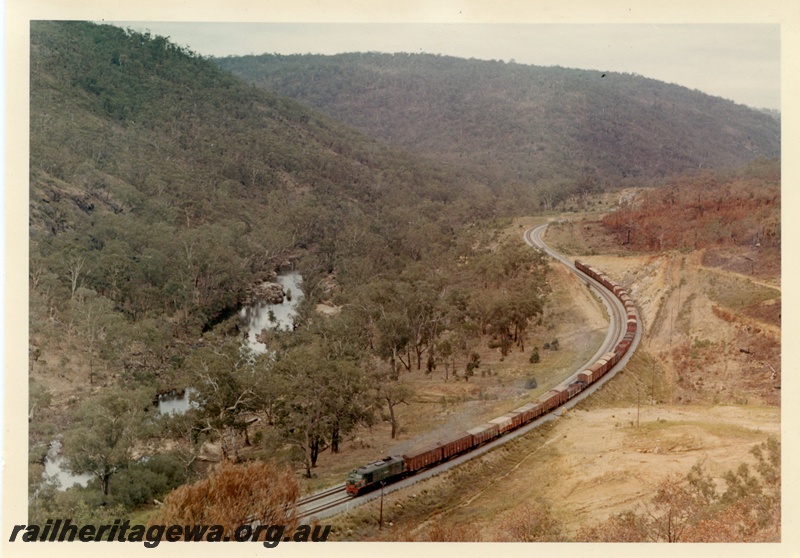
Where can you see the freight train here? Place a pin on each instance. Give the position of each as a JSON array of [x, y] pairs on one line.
[[392, 468]]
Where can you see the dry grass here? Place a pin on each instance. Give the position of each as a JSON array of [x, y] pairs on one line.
[[584, 467], [611, 451], [443, 407]]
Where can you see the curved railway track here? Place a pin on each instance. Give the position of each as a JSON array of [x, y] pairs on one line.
[[614, 307], [335, 500]]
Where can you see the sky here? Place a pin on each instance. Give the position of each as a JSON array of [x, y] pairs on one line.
[[740, 62], [728, 48]]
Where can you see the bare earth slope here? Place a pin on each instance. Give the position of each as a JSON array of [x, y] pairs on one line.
[[703, 388]]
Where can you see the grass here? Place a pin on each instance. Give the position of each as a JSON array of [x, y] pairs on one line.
[[444, 498], [651, 428], [642, 379], [736, 293], [727, 430]]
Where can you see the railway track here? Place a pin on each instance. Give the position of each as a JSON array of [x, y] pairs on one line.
[[320, 495], [321, 501], [336, 500], [615, 309]]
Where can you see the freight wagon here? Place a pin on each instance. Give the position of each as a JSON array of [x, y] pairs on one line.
[[391, 468]]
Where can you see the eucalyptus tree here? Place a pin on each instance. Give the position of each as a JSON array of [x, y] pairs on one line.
[[324, 398], [226, 388], [342, 340], [424, 314], [391, 393], [106, 429], [101, 328]]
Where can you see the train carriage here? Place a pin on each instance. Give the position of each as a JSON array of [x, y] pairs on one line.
[[546, 402], [550, 400], [607, 359], [602, 368], [575, 388], [483, 433], [595, 370], [516, 419], [423, 458], [457, 444], [557, 396], [536, 410], [528, 412], [393, 467], [504, 423]]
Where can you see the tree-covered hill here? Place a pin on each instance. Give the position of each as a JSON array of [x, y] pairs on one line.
[[161, 189], [168, 186], [520, 122]]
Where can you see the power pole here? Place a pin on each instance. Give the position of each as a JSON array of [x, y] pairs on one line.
[[637, 404], [380, 519], [671, 312]]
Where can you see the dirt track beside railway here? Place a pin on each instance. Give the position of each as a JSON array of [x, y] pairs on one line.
[[603, 464], [590, 465], [708, 381]]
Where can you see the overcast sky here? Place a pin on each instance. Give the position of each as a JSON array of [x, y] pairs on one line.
[[740, 62]]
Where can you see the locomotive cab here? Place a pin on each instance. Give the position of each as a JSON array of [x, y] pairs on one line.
[[372, 475], [355, 482]]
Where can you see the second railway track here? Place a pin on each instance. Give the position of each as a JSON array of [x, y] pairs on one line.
[[620, 313]]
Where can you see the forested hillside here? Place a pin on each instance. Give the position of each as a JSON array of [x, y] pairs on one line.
[[524, 123], [167, 185], [165, 191], [162, 189], [689, 213]]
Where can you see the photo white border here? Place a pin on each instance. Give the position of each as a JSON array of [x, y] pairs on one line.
[[20, 12]]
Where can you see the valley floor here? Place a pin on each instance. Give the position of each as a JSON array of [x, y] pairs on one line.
[[703, 388]]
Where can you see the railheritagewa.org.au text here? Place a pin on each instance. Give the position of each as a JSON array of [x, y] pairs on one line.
[[63, 530]]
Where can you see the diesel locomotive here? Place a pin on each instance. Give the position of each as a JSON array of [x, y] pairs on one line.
[[392, 468]]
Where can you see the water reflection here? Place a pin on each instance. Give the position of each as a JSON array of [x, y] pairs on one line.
[[256, 317], [54, 466], [260, 315], [175, 404]]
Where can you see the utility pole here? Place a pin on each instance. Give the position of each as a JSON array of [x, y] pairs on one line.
[[637, 404], [380, 519], [653, 383]]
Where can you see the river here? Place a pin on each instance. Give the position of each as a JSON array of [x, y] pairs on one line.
[[261, 315], [54, 467], [255, 317]]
